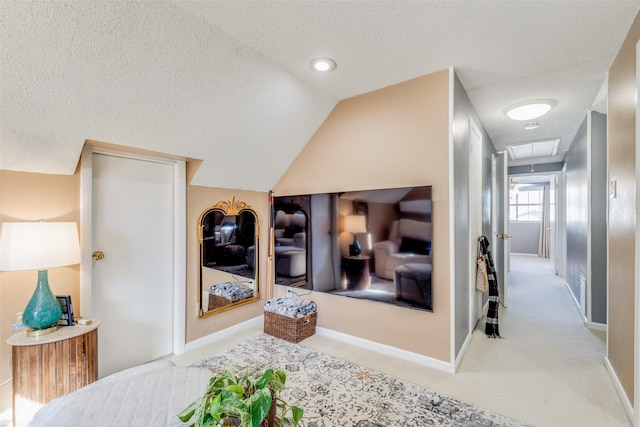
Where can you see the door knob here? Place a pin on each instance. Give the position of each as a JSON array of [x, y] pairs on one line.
[[504, 236], [98, 255]]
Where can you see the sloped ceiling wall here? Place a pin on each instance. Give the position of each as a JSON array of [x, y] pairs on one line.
[[152, 76], [228, 82]]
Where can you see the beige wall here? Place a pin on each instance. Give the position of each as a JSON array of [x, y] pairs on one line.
[[394, 137], [622, 210], [198, 200], [30, 197]]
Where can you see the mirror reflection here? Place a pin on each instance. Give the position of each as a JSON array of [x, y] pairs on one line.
[[290, 240], [371, 244], [228, 256]]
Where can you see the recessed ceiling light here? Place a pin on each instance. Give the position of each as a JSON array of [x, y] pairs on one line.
[[529, 109], [530, 126], [322, 64]]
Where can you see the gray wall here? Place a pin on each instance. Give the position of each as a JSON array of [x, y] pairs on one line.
[[599, 200], [323, 271], [577, 211], [525, 237], [587, 200], [462, 111], [543, 167]]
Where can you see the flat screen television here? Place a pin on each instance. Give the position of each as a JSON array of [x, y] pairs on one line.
[[369, 244]]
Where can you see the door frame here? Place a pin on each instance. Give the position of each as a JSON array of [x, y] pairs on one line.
[[635, 411], [497, 228], [475, 219], [179, 235]]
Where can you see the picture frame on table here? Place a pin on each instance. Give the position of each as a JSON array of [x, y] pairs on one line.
[[67, 318]]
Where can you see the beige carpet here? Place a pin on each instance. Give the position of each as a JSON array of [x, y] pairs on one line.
[[548, 371]]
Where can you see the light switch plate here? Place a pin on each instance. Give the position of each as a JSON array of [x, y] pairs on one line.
[[613, 189]]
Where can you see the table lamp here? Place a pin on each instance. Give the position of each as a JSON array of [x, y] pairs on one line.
[[39, 246], [355, 224]]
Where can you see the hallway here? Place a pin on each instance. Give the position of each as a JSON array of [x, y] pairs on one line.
[[549, 369]]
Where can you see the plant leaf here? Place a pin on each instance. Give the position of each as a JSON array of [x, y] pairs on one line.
[[282, 376], [297, 414], [213, 408], [235, 389], [259, 404], [188, 412], [264, 379], [278, 380], [234, 405]]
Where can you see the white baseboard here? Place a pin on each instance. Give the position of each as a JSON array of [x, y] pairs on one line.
[[597, 326], [338, 336], [232, 330], [591, 325], [388, 350], [462, 352], [577, 305], [618, 386]]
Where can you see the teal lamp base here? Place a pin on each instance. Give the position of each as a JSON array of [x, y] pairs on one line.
[[43, 310], [355, 249]]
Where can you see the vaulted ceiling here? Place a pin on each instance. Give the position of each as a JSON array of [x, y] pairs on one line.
[[229, 82]]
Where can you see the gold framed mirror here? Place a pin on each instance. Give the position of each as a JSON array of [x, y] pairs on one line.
[[228, 236]]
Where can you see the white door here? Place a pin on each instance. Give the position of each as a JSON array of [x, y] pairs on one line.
[[501, 225], [132, 287], [475, 219]]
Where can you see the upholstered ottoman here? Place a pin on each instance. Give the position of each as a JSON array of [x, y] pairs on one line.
[[291, 261], [398, 259], [251, 257], [413, 284]]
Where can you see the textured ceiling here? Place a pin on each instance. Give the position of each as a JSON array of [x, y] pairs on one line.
[[229, 82]]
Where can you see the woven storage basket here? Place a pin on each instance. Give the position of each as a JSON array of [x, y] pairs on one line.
[[216, 301], [289, 328]]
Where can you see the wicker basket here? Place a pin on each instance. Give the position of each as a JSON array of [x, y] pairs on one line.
[[289, 328], [216, 301]]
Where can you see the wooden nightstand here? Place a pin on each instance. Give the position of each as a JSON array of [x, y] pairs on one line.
[[50, 366], [356, 269]]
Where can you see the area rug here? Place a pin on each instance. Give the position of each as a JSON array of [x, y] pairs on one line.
[[239, 270], [335, 392]]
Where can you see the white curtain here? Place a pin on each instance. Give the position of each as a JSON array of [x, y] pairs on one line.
[[545, 225]]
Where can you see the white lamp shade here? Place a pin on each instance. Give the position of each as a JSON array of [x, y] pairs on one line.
[[355, 224], [38, 245]]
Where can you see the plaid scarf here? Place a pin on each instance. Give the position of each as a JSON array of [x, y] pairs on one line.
[[491, 328]]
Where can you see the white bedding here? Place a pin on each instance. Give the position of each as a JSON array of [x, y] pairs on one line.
[[146, 397]]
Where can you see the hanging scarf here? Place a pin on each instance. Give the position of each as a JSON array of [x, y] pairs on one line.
[[491, 328]]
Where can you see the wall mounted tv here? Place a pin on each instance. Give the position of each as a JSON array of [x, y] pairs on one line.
[[369, 244]]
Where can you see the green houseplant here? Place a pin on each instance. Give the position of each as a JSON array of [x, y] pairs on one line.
[[243, 401]]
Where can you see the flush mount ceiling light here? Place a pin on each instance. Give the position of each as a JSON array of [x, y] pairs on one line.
[[529, 109], [323, 65]]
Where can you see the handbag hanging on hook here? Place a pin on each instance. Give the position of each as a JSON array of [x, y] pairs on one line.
[[482, 279]]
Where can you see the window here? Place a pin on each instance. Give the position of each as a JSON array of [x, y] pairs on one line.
[[525, 205]]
